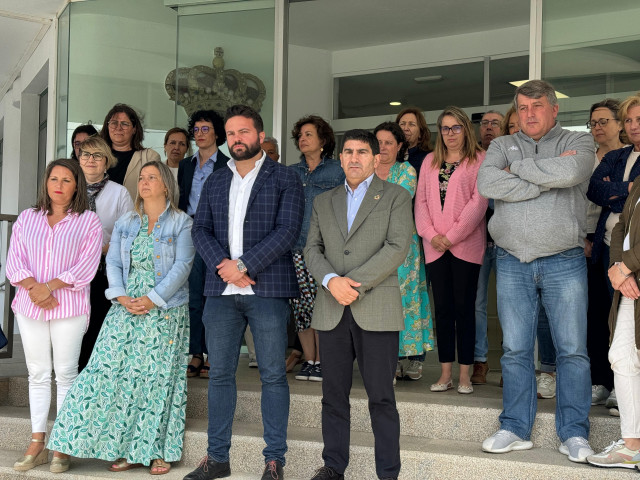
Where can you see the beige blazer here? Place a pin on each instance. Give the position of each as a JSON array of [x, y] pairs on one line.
[[369, 253], [139, 158]]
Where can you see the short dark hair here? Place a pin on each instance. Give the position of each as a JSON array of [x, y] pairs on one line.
[[136, 122], [79, 202], [397, 133], [246, 112], [88, 129], [181, 130], [363, 136], [211, 117], [325, 133]]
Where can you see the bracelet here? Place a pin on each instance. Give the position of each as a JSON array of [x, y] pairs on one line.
[[48, 287], [625, 275]]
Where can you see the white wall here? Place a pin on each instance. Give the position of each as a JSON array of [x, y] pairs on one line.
[[310, 91], [19, 111]]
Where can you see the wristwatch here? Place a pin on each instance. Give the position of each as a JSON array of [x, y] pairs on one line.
[[241, 266]]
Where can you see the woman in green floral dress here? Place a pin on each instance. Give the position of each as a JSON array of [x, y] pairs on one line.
[[128, 405], [417, 336]]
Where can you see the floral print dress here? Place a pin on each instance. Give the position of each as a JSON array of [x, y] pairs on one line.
[[130, 400], [417, 336]]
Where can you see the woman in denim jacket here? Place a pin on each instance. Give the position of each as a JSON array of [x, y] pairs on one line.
[[128, 405]]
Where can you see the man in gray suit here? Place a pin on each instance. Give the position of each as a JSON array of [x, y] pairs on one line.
[[359, 235]]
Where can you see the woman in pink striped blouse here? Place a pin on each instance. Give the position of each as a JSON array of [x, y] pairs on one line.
[[450, 219], [53, 256]]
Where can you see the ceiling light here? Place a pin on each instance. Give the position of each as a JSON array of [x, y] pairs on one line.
[[395, 104], [522, 82], [430, 78]]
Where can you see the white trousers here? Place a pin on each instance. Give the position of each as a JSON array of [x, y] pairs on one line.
[[63, 337], [625, 363]]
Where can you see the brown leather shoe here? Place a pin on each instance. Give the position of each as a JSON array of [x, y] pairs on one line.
[[480, 370]]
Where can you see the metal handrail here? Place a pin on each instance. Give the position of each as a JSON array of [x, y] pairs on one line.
[[9, 293]]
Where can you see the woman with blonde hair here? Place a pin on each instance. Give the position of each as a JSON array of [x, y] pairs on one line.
[[128, 405], [450, 218]]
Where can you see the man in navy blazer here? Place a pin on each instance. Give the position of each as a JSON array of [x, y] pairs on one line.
[[207, 129], [247, 222]]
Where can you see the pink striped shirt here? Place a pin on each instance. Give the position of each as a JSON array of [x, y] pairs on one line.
[[70, 251]]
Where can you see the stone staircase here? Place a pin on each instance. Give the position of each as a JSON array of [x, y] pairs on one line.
[[441, 435]]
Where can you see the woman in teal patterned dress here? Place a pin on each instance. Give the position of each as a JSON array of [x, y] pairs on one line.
[[128, 405], [417, 336]]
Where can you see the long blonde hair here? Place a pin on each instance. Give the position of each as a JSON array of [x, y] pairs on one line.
[[470, 148]]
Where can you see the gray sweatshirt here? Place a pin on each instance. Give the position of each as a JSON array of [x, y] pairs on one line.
[[541, 206]]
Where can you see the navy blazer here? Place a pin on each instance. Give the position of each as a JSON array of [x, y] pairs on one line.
[[600, 192], [272, 225], [185, 176]]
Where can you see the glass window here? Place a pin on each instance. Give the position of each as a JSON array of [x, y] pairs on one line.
[[591, 50]]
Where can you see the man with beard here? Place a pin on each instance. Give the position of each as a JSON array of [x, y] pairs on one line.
[[490, 127], [247, 222]]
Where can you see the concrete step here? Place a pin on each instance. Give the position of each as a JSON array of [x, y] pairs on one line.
[[423, 414], [422, 458]]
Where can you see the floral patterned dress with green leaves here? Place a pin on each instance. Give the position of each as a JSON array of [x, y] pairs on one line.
[[130, 400], [417, 336]]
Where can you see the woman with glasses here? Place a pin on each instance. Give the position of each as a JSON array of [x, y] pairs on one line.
[[110, 201], [450, 218], [416, 134], [123, 132], [80, 134]]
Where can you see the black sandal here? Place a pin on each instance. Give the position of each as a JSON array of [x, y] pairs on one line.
[[192, 370], [204, 371]]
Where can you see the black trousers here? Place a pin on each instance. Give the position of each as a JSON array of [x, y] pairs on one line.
[[598, 325], [99, 308], [454, 283], [377, 356]]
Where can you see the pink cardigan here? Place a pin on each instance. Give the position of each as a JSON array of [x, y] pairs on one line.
[[462, 220]]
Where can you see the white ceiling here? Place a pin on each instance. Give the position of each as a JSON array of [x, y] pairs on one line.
[[23, 23]]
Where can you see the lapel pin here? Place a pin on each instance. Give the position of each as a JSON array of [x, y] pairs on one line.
[[377, 197]]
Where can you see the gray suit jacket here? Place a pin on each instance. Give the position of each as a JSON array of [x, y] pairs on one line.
[[369, 253]]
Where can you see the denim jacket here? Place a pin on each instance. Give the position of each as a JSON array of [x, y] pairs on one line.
[[173, 254], [327, 175]]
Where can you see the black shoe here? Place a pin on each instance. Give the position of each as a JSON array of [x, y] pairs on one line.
[[209, 469], [327, 473], [273, 471]]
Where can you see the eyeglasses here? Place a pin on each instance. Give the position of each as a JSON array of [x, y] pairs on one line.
[[456, 129], [114, 124], [493, 123], [602, 122], [98, 157], [204, 129]]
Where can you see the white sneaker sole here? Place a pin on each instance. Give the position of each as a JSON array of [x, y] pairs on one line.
[[517, 445], [564, 450], [615, 465]]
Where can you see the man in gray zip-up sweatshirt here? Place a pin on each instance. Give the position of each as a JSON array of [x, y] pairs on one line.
[[538, 179]]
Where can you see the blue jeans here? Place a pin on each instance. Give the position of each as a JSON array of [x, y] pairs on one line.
[[197, 276], [481, 349], [546, 350], [225, 320], [559, 284]]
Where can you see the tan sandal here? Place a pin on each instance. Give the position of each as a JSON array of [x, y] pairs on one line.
[[122, 465], [294, 359], [160, 463], [31, 461]]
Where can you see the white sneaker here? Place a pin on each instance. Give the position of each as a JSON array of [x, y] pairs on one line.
[[414, 372], [599, 395], [577, 448], [399, 370], [546, 385], [504, 441], [612, 401]]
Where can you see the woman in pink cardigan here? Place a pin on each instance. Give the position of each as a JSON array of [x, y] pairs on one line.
[[450, 219]]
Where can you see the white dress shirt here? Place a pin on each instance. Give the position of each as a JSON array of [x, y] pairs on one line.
[[239, 193]]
